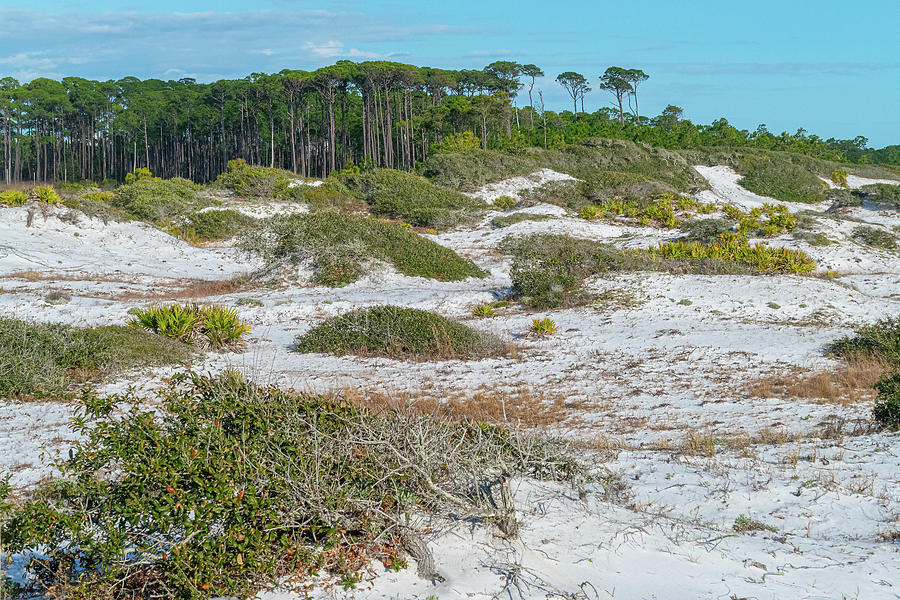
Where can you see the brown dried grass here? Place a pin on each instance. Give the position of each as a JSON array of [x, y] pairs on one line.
[[849, 383]]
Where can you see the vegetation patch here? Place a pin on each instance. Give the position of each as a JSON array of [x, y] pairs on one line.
[[237, 487], [214, 225], [401, 195], [664, 211], [253, 181], [341, 248], [45, 194], [881, 193], [887, 402], [216, 327], [781, 179], [13, 198], [469, 170], [402, 333], [735, 248], [158, 200], [744, 524], [519, 217], [878, 340], [875, 237], [44, 360]]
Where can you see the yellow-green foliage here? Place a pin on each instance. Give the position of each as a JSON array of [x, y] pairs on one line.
[[458, 142], [769, 220], [13, 198], [46, 194], [839, 177], [255, 181], [543, 327], [504, 202], [139, 174], [218, 326], [484, 310], [99, 196], [662, 211], [734, 247]]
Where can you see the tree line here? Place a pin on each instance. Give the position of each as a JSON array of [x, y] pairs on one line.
[[373, 113]]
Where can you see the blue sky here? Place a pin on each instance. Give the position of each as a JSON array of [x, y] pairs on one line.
[[830, 67]]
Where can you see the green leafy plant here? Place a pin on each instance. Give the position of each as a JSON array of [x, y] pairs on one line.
[[46, 194], [880, 339], [254, 181], [396, 332], [225, 488], [217, 327], [543, 327], [99, 196], [158, 200], [504, 202], [839, 177], [484, 310], [887, 401], [139, 174], [13, 198]]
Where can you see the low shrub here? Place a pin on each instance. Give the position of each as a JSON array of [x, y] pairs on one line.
[[467, 170], [53, 359], [706, 231], [13, 198], [215, 225], [401, 195], [139, 174], [744, 524], [880, 340], [157, 200], [46, 194], [519, 217], [252, 181], [402, 333], [484, 310], [330, 195], [839, 177], [875, 237], [780, 179], [225, 488], [217, 327], [543, 327], [341, 248], [881, 193], [887, 402], [663, 211], [735, 248], [99, 196], [464, 141], [504, 203]]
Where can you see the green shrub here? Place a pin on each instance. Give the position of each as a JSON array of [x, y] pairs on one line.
[[13, 198], [52, 359], [706, 231], [543, 327], [875, 237], [139, 174], [744, 524], [464, 141], [881, 193], [567, 194], [880, 339], [839, 177], [215, 225], [342, 247], [735, 248], [483, 310], [330, 195], [217, 327], [467, 170], [100, 196], [780, 179], [254, 181], [504, 203], [887, 401], [157, 200], [401, 195], [402, 333], [225, 488], [46, 194], [519, 217]]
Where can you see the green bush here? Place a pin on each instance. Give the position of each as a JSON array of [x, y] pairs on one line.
[[217, 327], [880, 339], [468, 170], [504, 203], [215, 225], [157, 200], [543, 327], [887, 401], [225, 488], [99, 196], [706, 231], [46, 194], [881, 193], [839, 177], [13, 198], [465, 141], [402, 333], [875, 237], [51, 359], [401, 195], [781, 179], [330, 195], [519, 217], [141, 173], [254, 181], [342, 247]]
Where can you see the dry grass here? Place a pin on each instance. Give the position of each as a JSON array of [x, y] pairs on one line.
[[193, 289], [850, 383], [523, 408]]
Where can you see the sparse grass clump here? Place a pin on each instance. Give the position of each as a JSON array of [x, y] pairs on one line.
[[225, 488], [519, 217], [779, 178], [217, 327], [342, 248], [875, 237], [13, 198], [402, 333], [887, 402], [744, 524], [157, 200], [51, 359], [215, 225], [879, 340], [401, 195]]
